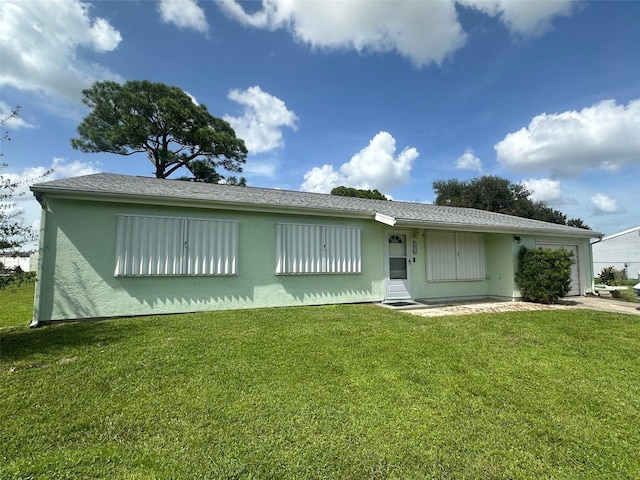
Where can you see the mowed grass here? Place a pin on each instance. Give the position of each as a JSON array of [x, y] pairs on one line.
[[627, 295], [16, 303], [323, 392]]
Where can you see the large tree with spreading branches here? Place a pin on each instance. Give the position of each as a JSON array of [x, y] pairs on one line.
[[499, 195], [165, 123]]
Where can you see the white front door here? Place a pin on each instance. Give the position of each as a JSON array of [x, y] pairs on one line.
[[398, 278]]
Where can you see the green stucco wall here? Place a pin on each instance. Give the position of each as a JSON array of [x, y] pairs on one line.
[[501, 264], [499, 272], [501, 255], [77, 260]]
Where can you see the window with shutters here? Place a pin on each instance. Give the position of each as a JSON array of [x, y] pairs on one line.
[[455, 256], [309, 249], [158, 246]]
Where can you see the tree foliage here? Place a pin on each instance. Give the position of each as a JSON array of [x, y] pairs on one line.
[[577, 222], [607, 275], [359, 193], [499, 195], [240, 182], [13, 233], [163, 122], [544, 275], [203, 172]]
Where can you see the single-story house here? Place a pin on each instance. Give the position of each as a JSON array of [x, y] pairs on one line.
[[117, 245], [620, 250]]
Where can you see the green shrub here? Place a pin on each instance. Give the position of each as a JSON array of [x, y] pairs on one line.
[[16, 279], [607, 276], [544, 275]]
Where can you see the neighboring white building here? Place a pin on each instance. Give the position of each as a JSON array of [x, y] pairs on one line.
[[21, 260], [620, 250]]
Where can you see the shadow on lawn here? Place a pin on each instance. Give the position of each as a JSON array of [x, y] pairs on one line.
[[24, 343]]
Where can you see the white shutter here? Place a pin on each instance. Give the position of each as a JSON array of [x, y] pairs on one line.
[[441, 255], [304, 249], [455, 256], [342, 250], [149, 245], [300, 248], [211, 247], [470, 262]]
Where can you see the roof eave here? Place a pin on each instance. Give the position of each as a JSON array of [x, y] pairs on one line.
[[493, 229]]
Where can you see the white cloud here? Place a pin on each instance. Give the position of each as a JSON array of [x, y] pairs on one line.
[[604, 136], [183, 14], [544, 189], [261, 169], [264, 116], [603, 204], [41, 43], [375, 167], [59, 168], [324, 179], [104, 37], [62, 168], [468, 161], [424, 32], [25, 201], [549, 191], [193, 98], [528, 17]]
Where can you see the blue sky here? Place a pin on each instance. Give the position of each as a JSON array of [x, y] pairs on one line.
[[379, 94]]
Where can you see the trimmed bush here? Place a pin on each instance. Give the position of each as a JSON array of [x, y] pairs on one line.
[[544, 275]]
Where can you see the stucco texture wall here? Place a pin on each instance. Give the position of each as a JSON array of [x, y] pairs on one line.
[[621, 252], [78, 253], [78, 260], [498, 265]]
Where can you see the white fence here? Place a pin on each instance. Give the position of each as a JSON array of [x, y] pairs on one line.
[[28, 263]]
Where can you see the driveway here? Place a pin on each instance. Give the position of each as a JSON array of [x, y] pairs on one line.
[[488, 306], [603, 304]]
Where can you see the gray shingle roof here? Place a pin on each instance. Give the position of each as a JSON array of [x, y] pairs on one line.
[[154, 190]]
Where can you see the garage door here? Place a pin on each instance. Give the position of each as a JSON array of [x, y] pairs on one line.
[[574, 288]]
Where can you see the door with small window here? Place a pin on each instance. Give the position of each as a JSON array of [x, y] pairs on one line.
[[398, 278]]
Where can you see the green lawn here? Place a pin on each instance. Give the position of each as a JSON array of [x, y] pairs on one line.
[[324, 392], [628, 295], [16, 304]]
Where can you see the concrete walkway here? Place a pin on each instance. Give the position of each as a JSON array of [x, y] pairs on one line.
[[603, 304], [489, 306]]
